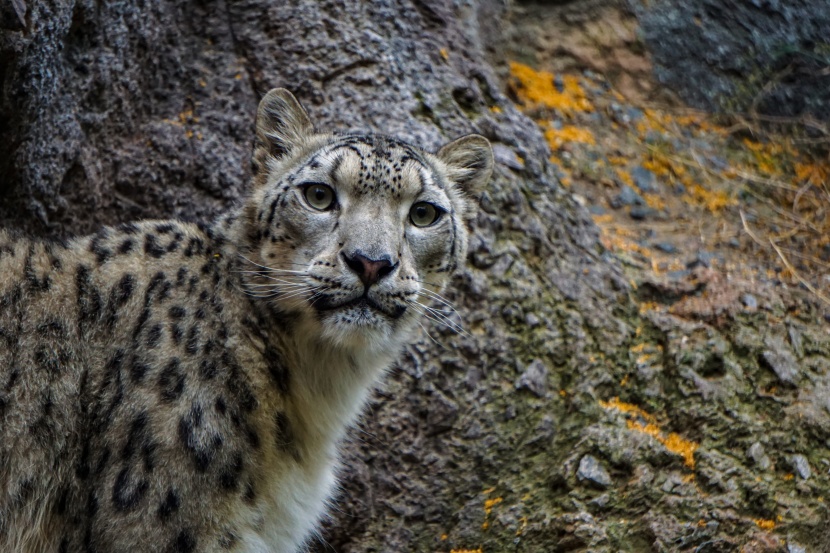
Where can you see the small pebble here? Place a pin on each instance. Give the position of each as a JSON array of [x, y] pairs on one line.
[[590, 469], [640, 212], [758, 455], [801, 466], [534, 379], [627, 196], [749, 301], [644, 179]]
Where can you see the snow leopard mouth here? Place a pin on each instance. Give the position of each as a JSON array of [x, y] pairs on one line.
[[362, 303]]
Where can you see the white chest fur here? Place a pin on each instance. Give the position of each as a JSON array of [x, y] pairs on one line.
[[328, 390], [289, 509]]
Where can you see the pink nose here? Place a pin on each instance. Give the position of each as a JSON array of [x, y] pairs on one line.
[[370, 271]]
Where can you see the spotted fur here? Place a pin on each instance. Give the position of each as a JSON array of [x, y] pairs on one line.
[[176, 387]]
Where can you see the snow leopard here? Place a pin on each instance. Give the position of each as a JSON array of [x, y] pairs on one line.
[[171, 386]]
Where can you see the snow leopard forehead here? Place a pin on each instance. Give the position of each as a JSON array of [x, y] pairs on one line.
[[374, 165]]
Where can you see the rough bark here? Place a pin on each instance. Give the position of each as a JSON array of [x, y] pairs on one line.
[[497, 438]]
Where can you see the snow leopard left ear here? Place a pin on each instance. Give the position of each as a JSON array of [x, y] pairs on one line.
[[469, 162], [281, 125]]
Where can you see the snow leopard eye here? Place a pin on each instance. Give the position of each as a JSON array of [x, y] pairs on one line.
[[319, 196], [424, 214]]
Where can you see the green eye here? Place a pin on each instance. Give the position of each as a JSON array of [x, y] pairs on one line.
[[319, 196], [424, 214]]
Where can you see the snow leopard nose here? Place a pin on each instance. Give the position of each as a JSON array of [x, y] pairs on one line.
[[370, 271]]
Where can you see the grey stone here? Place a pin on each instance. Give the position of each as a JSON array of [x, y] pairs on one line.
[[793, 547], [507, 157], [644, 179], [591, 469], [665, 247], [641, 212], [534, 379], [780, 360], [801, 466], [627, 196], [758, 455], [441, 414], [749, 301]]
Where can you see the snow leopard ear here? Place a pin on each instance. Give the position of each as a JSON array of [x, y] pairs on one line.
[[469, 162], [281, 125]]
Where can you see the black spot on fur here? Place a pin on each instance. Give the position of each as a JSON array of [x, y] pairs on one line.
[[127, 492], [192, 346], [277, 369], [35, 284], [184, 542], [46, 360], [238, 386], [164, 228], [91, 504], [152, 246], [176, 332], [202, 445], [230, 474], [220, 406], [89, 299], [102, 461], [169, 505], [102, 253], [250, 493], [171, 381], [126, 246], [207, 369], [194, 246], [50, 329], [284, 435], [137, 370], [228, 540], [124, 289], [137, 434], [154, 336], [119, 296], [128, 228]]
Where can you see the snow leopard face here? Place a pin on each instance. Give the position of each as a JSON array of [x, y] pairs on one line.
[[356, 234]]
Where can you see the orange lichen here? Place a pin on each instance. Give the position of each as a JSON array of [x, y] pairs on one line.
[[625, 177], [540, 88], [764, 524], [654, 201], [714, 201], [671, 441], [490, 503], [812, 173], [444, 54], [569, 133]]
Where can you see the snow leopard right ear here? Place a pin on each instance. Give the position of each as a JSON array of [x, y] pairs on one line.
[[281, 125]]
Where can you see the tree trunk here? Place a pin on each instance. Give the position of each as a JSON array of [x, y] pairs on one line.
[[506, 437]]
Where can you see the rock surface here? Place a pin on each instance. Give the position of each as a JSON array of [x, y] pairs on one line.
[[740, 55], [118, 110]]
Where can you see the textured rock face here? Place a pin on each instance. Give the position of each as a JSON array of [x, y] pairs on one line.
[[769, 55], [507, 437]]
